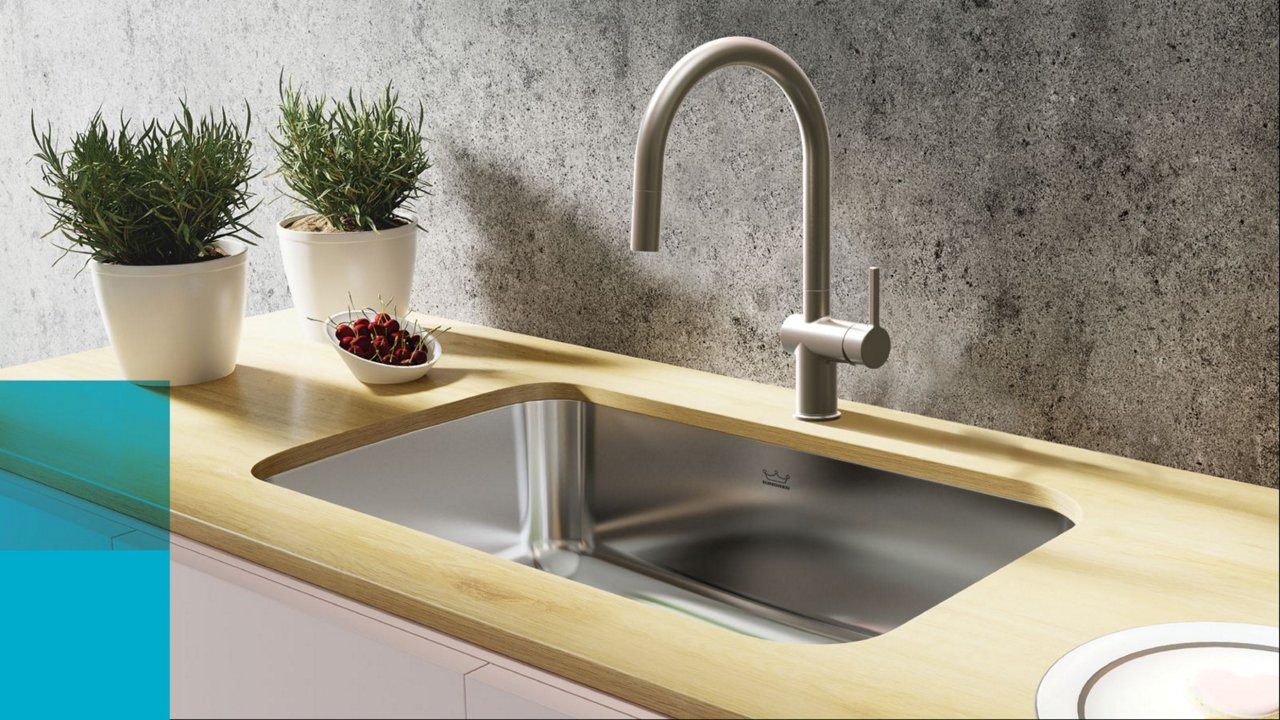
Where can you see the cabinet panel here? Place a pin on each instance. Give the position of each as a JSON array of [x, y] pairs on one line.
[[556, 681], [244, 645], [495, 692], [297, 650]]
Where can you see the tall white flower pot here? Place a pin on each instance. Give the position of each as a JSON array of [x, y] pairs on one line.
[[328, 271], [179, 323]]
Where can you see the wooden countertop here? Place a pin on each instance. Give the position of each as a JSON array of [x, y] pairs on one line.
[[1151, 544]]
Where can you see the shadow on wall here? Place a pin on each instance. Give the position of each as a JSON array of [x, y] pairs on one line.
[[544, 268]]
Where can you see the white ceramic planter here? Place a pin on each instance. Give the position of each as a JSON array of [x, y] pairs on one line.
[[322, 268], [179, 323]]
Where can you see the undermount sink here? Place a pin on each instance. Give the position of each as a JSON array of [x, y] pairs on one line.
[[753, 537]]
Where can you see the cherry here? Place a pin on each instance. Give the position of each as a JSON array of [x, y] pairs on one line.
[[384, 340]]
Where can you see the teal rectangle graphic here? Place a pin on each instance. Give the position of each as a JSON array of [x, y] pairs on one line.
[[85, 634], [103, 442], [84, 561]]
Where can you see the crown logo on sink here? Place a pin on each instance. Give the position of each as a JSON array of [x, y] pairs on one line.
[[775, 478]]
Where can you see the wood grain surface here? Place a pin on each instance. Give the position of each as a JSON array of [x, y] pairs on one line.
[[1151, 544]]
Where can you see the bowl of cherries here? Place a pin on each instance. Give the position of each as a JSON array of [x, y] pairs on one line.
[[382, 349]]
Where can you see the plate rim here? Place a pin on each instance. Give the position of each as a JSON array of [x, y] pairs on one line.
[[1122, 643]]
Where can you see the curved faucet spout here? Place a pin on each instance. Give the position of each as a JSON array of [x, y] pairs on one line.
[[646, 211], [818, 341]]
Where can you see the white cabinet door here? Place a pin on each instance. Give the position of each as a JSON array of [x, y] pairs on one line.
[[246, 645], [495, 692]]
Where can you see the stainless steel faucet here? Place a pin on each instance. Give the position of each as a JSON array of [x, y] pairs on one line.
[[817, 340]]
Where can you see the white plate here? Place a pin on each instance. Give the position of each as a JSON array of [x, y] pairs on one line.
[[1150, 671]]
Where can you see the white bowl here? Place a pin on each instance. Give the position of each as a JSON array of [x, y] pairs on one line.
[[375, 373]]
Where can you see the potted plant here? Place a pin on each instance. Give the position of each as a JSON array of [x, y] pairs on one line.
[[160, 214], [354, 165]]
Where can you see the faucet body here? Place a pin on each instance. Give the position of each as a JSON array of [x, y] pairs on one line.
[[818, 341]]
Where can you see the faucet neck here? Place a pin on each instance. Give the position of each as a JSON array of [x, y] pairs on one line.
[[646, 213]]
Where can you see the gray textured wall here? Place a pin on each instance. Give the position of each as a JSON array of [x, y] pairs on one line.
[[1075, 202]]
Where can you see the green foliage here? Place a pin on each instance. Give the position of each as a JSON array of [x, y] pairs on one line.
[[159, 196], [353, 162]]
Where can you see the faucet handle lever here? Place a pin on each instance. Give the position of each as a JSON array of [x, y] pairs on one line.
[[873, 296]]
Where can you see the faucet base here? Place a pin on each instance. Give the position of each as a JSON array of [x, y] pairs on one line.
[[818, 418], [815, 386]]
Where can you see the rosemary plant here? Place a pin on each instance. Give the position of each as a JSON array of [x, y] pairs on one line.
[[163, 194], [354, 162]]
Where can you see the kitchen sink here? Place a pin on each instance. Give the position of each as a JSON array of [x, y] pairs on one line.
[[753, 537]]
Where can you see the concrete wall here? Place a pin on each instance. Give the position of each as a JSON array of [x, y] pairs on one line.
[[1075, 203]]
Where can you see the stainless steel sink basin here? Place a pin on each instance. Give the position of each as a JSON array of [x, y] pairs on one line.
[[753, 537]]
